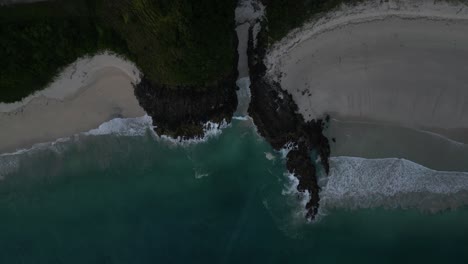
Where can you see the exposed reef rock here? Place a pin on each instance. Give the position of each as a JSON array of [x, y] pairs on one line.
[[275, 114], [182, 111]]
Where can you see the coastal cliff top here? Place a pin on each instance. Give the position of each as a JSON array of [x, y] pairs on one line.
[[176, 43]]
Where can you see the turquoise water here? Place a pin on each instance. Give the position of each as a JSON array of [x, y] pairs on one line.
[[118, 199]]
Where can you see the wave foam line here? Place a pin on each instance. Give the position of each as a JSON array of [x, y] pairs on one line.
[[123, 127], [286, 149], [290, 189], [391, 183], [210, 130], [128, 127], [10, 162]]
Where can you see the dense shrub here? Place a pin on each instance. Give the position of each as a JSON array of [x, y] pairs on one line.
[[174, 42]]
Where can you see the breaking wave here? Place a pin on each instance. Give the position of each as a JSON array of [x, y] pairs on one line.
[[391, 183], [128, 127], [123, 127], [210, 130]]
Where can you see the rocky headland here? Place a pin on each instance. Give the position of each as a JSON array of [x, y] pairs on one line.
[[274, 112], [181, 112]]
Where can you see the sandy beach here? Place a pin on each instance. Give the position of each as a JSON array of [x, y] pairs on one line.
[[377, 141], [86, 94], [403, 65], [393, 77]]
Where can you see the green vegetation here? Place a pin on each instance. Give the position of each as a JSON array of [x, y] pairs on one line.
[[181, 42], [285, 15], [37, 40], [173, 42]]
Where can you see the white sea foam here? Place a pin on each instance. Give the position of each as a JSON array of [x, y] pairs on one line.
[[242, 118], [269, 156], [285, 150], [391, 183], [291, 184], [210, 130], [300, 198], [199, 175], [10, 162], [123, 127], [117, 126], [128, 127]]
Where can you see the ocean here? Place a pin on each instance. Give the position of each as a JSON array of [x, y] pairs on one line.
[[119, 194]]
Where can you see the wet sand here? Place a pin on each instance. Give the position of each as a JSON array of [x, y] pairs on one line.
[[376, 141]]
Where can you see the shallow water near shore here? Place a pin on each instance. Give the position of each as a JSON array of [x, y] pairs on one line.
[[135, 199]]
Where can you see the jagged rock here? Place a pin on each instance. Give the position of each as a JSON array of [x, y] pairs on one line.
[[275, 114], [181, 111], [299, 163]]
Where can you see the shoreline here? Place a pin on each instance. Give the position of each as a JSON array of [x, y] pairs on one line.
[[293, 72], [99, 90], [76, 76], [338, 67], [361, 13], [379, 141], [275, 116], [356, 182]]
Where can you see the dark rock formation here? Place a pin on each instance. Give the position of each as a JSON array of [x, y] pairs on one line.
[[182, 111], [299, 162], [275, 114]]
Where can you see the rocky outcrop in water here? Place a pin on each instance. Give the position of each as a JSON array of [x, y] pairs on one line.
[[182, 111], [275, 114]]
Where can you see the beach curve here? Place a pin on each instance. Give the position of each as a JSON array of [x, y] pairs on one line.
[[393, 63], [87, 93]]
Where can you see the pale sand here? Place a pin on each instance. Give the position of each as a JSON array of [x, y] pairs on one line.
[[400, 63], [72, 105], [78, 75], [377, 141]]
